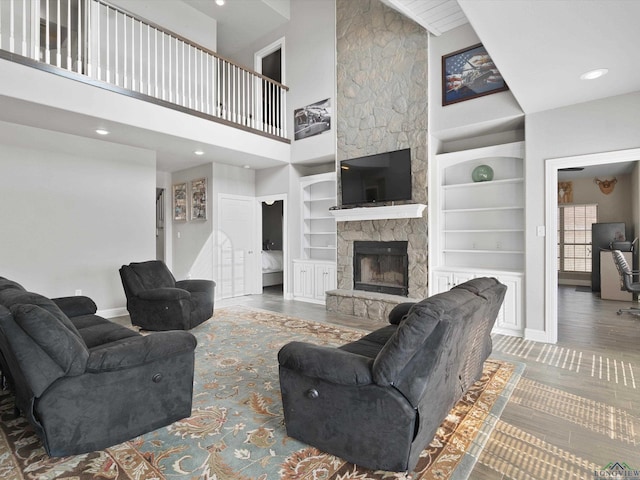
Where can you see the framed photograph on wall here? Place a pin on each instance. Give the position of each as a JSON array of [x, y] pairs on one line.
[[180, 202], [199, 199], [469, 73], [312, 120]]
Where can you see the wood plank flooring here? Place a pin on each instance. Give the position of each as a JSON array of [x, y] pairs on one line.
[[577, 406]]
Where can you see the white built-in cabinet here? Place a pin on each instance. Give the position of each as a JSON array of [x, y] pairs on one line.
[[479, 226], [315, 272]]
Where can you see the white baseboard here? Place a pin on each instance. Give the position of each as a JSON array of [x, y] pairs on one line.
[[113, 312]]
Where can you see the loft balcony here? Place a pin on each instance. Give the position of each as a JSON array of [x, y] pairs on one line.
[[103, 45]]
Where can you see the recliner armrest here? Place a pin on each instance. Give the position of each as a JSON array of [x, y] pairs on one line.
[[165, 293], [139, 350], [326, 363], [76, 306], [197, 285]]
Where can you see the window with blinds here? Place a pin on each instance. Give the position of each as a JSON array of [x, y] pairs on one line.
[[574, 237]]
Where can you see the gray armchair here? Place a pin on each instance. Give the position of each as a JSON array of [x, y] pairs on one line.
[[156, 301], [378, 401]]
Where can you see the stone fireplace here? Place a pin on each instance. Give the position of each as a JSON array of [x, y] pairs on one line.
[[375, 304], [381, 106], [381, 267]]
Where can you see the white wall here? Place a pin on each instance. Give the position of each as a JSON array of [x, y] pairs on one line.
[[177, 17], [604, 125], [309, 71], [73, 211], [471, 118], [192, 247], [194, 252]]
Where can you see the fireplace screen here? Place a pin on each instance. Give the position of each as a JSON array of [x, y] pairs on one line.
[[381, 267]]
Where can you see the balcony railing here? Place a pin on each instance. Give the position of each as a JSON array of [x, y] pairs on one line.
[[102, 42]]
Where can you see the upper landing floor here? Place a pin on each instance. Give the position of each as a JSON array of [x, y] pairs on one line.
[[80, 65]]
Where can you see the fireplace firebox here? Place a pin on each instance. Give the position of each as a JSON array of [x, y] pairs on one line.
[[381, 267]]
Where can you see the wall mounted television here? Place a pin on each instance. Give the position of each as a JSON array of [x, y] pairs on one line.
[[380, 178]]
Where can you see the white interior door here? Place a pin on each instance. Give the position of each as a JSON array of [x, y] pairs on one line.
[[237, 256]]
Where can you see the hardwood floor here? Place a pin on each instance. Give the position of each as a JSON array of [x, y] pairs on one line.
[[577, 405]]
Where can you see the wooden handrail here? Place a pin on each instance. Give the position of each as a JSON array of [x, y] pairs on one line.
[[189, 42]]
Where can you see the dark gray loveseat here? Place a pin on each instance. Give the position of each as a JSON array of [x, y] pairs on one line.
[[378, 402], [86, 383]]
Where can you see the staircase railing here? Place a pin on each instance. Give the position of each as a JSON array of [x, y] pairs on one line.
[[106, 43]]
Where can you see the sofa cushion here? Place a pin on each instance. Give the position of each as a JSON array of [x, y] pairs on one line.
[[53, 337], [371, 344], [414, 331], [97, 331], [11, 297]]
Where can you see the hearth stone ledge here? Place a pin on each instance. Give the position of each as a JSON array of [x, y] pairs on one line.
[[360, 303]]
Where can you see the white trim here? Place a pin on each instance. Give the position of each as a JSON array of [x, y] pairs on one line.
[[268, 50], [552, 166], [534, 335], [285, 241], [412, 210]]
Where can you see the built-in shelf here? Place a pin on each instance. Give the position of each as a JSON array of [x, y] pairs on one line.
[[478, 228], [386, 212]]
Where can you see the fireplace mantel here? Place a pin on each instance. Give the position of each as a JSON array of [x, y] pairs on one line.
[[411, 210]]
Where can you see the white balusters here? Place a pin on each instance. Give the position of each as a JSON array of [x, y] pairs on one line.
[[94, 38]]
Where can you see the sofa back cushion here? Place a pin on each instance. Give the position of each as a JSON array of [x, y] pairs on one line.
[[44, 348], [11, 297], [416, 331], [139, 276]]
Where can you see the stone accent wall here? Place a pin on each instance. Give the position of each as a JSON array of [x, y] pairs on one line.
[[381, 102], [381, 105]]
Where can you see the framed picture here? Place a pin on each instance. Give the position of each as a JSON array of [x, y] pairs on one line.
[[469, 73], [312, 120], [180, 202], [199, 199]]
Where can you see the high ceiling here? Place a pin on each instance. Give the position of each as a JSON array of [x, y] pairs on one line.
[[241, 22], [543, 46]]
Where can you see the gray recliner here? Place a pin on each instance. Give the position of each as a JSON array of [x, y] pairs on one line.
[[156, 301], [378, 401]]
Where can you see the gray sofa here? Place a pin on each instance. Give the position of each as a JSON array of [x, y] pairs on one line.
[[83, 382], [378, 401]]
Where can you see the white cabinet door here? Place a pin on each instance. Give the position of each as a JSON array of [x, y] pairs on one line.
[[325, 279], [303, 279], [442, 282], [509, 321]]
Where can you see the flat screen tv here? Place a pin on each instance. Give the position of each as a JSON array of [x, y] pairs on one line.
[[383, 177]]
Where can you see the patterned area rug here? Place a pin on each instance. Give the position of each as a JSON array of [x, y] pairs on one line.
[[236, 430]]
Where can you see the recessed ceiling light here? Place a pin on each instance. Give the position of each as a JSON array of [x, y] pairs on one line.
[[593, 74], [198, 152], [220, 2], [247, 166], [102, 131]]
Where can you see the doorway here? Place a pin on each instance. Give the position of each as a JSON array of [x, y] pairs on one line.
[[270, 62], [272, 223], [552, 167], [272, 247]]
